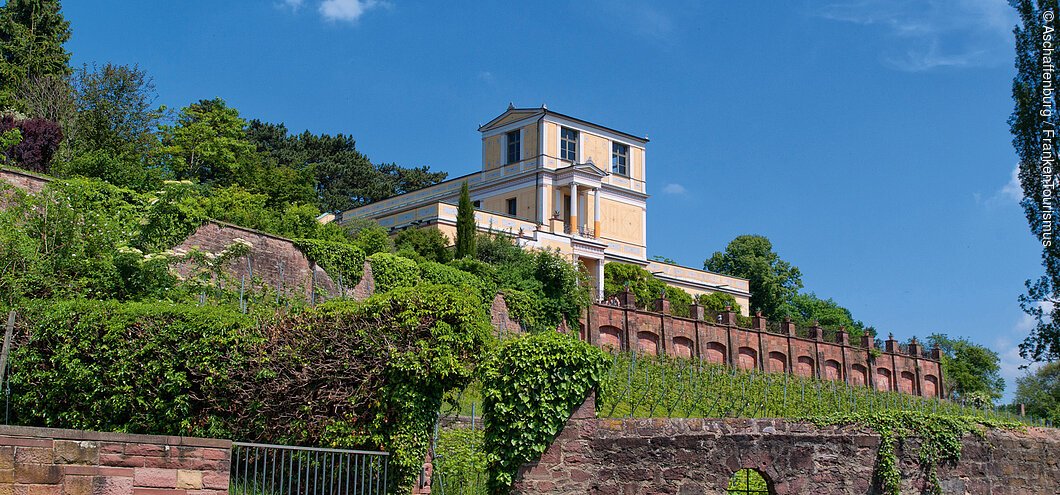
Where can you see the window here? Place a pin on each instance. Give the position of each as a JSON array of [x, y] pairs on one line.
[[620, 159], [748, 482], [476, 204], [514, 151], [513, 209], [568, 144]]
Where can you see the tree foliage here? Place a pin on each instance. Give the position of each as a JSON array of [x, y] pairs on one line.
[[772, 280], [32, 35], [1033, 126], [805, 309], [969, 370], [466, 228], [1039, 392], [208, 143], [39, 141]]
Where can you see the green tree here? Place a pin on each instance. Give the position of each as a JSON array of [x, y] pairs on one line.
[[208, 143], [1039, 392], [807, 308], [430, 243], [113, 137], [969, 370], [465, 225], [773, 281], [1028, 124], [32, 34]]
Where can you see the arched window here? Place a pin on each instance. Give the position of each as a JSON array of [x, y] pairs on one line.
[[749, 482]]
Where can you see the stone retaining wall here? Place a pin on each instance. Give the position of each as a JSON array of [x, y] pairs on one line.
[[46, 461], [698, 456]]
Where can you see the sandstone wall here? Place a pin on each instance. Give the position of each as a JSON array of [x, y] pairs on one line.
[[774, 348], [27, 181], [698, 456], [45, 461]]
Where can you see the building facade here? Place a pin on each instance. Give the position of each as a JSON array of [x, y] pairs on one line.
[[555, 182]]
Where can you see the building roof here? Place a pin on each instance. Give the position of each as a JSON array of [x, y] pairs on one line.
[[535, 112]]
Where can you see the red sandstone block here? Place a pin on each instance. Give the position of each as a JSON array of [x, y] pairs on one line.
[[158, 491], [111, 448], [76, 452], [7, 476], [118, 485], [98, 471], [34, 455], [146, 449], [215, 480], [120, 460], [155, 478], [77, 485], [38, 489], [208, 492], [7, 488], [25, 442], [7, 457], [37, 473]]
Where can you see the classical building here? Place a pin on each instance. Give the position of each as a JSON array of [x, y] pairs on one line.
[[557, 182]]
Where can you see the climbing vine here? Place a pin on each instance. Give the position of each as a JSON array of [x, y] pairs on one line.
[[531, 387], [336, 258], [940, 436]]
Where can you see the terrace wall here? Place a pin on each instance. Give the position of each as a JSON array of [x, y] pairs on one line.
[[46, 461], [766, 347], [698, 456]]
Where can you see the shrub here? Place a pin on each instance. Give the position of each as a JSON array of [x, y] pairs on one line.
[[530, 388], [430, 243], [680, 301], [373, 239], [129, 367], [432, 272], [40, 140], [336, 258], [393, 272], [522, 307], [717, 301], [641, 282], [364, 375]]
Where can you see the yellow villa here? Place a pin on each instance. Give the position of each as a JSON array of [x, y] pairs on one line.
[[557, 182]]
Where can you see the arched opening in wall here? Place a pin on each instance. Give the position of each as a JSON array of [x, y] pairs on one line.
[[804, 366], [908, 382], [859, 375], [715, 353], [648, 343], [931, 386], [610, 337], [683, 346], [883, 379], [832, 370], [581, 332], [748, 358], [778, 362], [749, 482]]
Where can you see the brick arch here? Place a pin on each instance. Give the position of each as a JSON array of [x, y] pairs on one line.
[[931, 386], [883, 379], [747, 358], [859, 375], [778, 362], [648, 343], [907, 382], [833, 370], [611, 337], [804, 366], [715, 352], [683, 346]]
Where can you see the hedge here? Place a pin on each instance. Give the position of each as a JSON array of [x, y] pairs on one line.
[[393, 272]]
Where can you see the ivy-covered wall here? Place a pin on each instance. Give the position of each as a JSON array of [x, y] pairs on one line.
[[642, 456]]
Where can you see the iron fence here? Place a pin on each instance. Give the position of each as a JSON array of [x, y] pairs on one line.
[[260, 469]]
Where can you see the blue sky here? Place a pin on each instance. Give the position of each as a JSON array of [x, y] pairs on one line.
[[867, 139]]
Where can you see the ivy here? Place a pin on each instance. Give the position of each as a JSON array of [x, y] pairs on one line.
[[940, 437], [336, 258], [530, 388], [393, 272]]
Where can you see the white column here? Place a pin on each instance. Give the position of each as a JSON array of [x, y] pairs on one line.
[[573, 208], [596, 212], [600, 280], [557, 200]]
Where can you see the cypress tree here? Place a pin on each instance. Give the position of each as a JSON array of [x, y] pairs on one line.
[[465, 225]]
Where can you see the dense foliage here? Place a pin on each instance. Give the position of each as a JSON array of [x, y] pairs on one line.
[[772, 280], [1029, 127], [1039, 393], [972, 372], [337, 258], [531, 385], [130, 367], [32, 34]]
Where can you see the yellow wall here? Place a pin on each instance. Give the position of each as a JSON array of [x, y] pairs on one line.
[[530, 143], [525, 201], [492, 146], [621, 222], [552, 141], [638, 162], [597, 149]]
